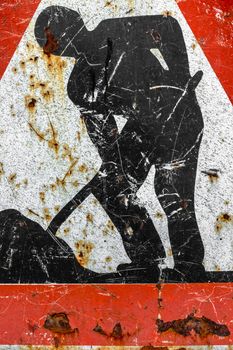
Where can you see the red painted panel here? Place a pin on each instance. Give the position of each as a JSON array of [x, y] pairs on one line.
[[211, 22], [24, 309], [15, 16]]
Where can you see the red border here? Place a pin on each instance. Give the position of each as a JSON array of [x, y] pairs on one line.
[[24, 308]]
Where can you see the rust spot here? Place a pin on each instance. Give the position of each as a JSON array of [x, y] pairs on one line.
[[42, 196], [159, 299], [53, 187], [89, 217], [57, 208], [84, 250], [117, 332], [83, 168], [222, 219], [59, 323], [22, 64], [202, 326], [2, 172], [194, 45], [53, 142], [169, 253], [33, 59], [75, 183], [30, 103], [166, 13], [30, 46], [66, 230], [159, 215], [213, 174], [14, 70], [78, 135], [51, 44], [12, 177], [47, 95], [47, 215], [108, 259], [99, 329], [110, 225], [25, 182], [69, 172]]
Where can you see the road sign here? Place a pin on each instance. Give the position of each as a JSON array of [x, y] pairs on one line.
[[116, 213]]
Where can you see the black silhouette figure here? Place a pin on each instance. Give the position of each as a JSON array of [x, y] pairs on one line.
[[137, 68], [117, 74]]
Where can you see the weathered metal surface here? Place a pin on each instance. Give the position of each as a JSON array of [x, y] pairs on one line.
[[117, 315], [116, 167]]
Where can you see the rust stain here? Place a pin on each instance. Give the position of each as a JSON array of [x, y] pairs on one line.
[[117, 332], [66, 230], [42, 197], [222, 219], [69, 172], [22, 65], [30, 103], [159, 215], [90, 218], [59, 323], [47, 215], [51, 44], [14, 70], [111, 5], [53, 142], [202, 326], [166, 13], [84, 250], [99, 329], [57, 208], [12, 178], [108, 259], [38, 133], [75, 183], [83, 168], [2, 172], [159, 299]]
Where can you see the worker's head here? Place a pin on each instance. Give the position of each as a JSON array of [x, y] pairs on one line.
[[61, 31]]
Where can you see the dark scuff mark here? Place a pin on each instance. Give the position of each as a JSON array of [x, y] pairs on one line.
[[107, 61], [213, 174], [59, 323], [202, 326], [51, 44]]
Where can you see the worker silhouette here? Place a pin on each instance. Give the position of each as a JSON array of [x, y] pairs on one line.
[[136, 68]]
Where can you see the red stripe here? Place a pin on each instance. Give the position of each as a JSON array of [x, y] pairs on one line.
[[15, 16], [24, 309], [211, 23]]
